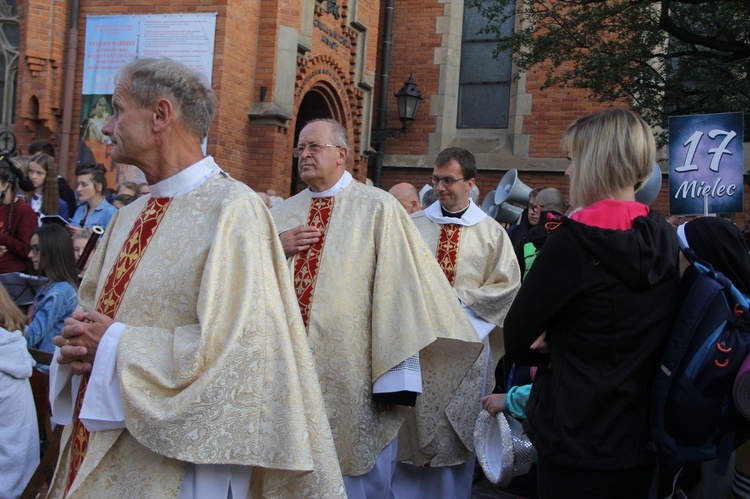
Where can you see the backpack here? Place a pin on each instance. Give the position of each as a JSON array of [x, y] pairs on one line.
[[693, 416]]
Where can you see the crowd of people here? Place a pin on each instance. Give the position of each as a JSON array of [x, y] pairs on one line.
[[42, 236], [339, 343]]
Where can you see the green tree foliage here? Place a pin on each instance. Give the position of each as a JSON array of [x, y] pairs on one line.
[[663, 57]]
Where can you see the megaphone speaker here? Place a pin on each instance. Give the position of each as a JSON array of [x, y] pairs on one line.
[[509, 214], [512, 190], [488, 205], [650, 189]]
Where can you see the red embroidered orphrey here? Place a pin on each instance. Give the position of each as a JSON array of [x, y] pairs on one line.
[[307, 263], [109, 301], [447, 250]]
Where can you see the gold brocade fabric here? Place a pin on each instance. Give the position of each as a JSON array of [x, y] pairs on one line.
[[487, 278], [380, 297], [213, 364]]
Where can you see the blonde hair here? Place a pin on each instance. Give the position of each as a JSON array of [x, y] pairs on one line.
[[11, 316], [82, 234], [610, 150], [22, 162]]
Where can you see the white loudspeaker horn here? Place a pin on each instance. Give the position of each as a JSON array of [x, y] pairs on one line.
[[512, 190], [650, 189], [489, 206], [509, 214]]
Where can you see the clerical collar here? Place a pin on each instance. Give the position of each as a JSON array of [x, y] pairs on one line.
[[453, 214], [186, 180], [339, 186], [471, 216]]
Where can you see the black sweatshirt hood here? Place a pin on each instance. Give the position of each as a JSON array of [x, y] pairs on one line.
[[641, 257]]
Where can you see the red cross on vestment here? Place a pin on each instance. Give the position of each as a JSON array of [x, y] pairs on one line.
[[447, 250]]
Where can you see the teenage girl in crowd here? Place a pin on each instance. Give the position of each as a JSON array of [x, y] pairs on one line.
[[80, 239], [19, 433], [52, 255], [600, 300], [17, 222], [45, 199], [94, 209]]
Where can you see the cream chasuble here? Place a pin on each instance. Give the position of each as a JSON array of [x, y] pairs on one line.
[[213, 364], [379, 298], [486, 278]]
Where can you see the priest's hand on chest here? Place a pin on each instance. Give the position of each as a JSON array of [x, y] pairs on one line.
[[299, 239], [80, 338]]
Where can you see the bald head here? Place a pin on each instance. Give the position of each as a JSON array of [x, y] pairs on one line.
[[551, 199], [406, 194]]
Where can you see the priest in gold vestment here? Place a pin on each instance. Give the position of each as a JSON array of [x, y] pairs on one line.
[[188, 352], [380, 316], [477, 258]]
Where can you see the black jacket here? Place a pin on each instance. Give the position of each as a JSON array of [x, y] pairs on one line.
[[519, 235], [606, 299]]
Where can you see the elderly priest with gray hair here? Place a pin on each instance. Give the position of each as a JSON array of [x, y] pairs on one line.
[[374, 339], [186, 372]]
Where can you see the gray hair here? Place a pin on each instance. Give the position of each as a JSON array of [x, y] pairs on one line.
[[338, 132], [552, 200], [152, 79], [428, 198]]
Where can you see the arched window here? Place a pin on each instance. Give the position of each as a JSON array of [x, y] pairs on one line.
[[9, 43], [484, 83]]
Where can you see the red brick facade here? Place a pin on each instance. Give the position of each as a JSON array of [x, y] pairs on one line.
[[40, 69], [278, 63]]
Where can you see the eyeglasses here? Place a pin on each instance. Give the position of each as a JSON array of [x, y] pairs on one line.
[[447, 181], [314, 148], [536, 207], [34, 249]]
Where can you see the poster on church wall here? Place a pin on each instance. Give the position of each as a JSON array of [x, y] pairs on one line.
[[706, 164], [113, 41]]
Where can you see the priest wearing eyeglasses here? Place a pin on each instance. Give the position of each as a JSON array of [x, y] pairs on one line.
[[380, 316], [477, 259]]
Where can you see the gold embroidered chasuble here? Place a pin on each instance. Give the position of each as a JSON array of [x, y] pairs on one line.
[[379, 298], [486, 280], [213, 365]]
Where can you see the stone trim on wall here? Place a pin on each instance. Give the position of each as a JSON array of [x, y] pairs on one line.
[[495, 146]]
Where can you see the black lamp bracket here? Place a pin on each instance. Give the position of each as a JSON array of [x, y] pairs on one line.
[[378, 136]]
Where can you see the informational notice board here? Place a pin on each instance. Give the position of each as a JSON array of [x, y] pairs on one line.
[[112, 42]]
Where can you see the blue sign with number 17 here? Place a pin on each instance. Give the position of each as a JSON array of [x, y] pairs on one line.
[[705, 164]]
